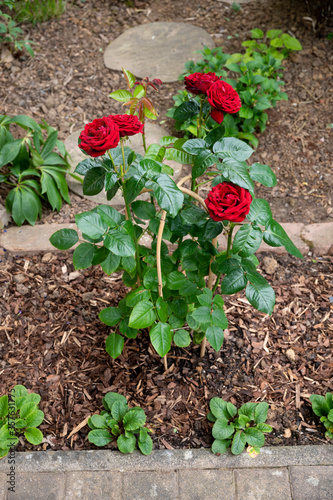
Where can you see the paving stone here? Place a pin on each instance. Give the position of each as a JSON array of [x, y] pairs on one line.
[[153, 484], [319, 237], [261, 484], [86, 485], [154, 133], [31, 239], [3, 486], [42, 485], [206, 484], [157, 50], [315, 483]]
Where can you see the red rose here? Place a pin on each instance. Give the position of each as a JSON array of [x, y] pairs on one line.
[[199, 83], [127, 124], [99, 136], [223, 97], [226, 201]]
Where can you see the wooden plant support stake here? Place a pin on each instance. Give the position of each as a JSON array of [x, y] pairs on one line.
[[158, 253]]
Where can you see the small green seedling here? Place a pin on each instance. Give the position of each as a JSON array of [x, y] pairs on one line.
[[19, 414], [119, 421], [323, 407], [236, 429]]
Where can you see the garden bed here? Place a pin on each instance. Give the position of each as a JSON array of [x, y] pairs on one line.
[[67, 84], [53, 342]]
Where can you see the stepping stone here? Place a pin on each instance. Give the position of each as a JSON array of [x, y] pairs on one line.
[[157, 50], [153, 135]]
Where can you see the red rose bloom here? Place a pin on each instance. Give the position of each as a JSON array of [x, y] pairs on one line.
[[199, 83], [226, 201], [127, 124], [99, 136], [223, 97]]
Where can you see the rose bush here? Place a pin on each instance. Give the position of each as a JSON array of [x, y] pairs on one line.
[[173, 294]]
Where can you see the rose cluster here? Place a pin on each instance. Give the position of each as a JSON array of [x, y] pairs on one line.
[[105, 133], [221, 96]]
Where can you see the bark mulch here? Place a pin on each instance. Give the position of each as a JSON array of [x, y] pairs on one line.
[[52, 341]]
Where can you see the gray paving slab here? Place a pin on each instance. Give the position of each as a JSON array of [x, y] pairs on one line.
[[263, 484], [88, 485], [154, 133], [206, 484], [147, 485], [169, 460], [157, 50], [38, 486], [312, 483], [3, 486]]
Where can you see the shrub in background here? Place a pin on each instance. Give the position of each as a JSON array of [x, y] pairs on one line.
[[10, 33]]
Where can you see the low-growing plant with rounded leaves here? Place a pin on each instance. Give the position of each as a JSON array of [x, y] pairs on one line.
[[323, 407]]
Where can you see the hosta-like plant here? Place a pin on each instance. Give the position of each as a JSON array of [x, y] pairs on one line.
[[237, 428], [19, 415], [323, 407], [172, 294], [117, 421]]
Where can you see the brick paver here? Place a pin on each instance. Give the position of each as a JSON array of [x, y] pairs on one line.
[[38, 486], [206, 484], [89, 485], [147, 485], [313, 483]]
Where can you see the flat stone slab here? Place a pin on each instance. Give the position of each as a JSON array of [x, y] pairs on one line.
[[154, 133], [157, 50]]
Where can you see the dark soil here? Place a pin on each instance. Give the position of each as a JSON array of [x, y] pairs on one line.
[[67, 84], [52, 341]]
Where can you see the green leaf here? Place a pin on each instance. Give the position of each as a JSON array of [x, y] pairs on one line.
[[33, 435], [271, 34], [126, 444], [129, 77], [230, 147], [121, 95], [111, 397], [238, 443], [110, 316], [145, 442], [214, 136], [319, 405], [161, 337], [254, 437], [204, 160], [215, 337], [143, 315], [260, 413], [264, 427], [222, 430], [263, 174], [260, 212], [119, 410], [276, 236], [27, 409], [194, 146], [18, 391], [3, 406], [175, 280], [91, 224], [220, 446], [136, 296], [167, 140], [83, 255], [49, 145], [262, 103], [144, 210], [99, 422], [110, 264], [247, 240], [236, 172], [182, 338], [246, 112], [168, 195], [85, 165], [248, 409], [218, 318], [34, 419], [93, 182], [186, 111], [119, 243], [257, 33], [134, 419], [179, 156], [50, 188], [290, 42], [202, 314], [233, 282], [114, 345], [64, 239], [218, 407], [26, 122], [205, 299], [99, 437], [232, 410]]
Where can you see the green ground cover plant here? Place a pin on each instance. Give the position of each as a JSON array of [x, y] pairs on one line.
[[10, 33], [323, 407], [117, 421], [38, 11], [172, 294], [236, 428], [31, 166], [256, 75], [19, 415]]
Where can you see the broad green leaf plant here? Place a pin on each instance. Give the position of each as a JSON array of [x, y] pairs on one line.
[[237, 428], [177, 296], [19, 416], [323, 407], [31, 166], [256, 75], [118, 421]]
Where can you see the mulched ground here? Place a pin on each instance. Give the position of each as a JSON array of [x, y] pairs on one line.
[[67, 84], [52, 341]]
